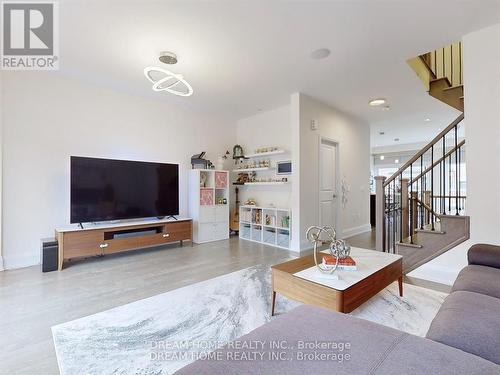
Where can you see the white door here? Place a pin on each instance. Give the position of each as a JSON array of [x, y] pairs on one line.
[[328, 183]]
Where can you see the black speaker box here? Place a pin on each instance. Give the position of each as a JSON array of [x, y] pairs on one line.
[[49, 255]]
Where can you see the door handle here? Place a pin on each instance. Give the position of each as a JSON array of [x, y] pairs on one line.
[[334, 196], [166, 235], [103, 245]]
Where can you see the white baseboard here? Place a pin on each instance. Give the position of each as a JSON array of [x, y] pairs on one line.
[[436, 273], [346, 233], [306, 246], [20, 261]]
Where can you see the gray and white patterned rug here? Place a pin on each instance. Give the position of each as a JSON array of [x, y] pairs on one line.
[[129, 339]]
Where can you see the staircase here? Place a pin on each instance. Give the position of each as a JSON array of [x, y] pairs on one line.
[[421, 209], [442, 74]]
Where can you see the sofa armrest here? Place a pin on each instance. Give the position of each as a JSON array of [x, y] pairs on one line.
[[484, 255]]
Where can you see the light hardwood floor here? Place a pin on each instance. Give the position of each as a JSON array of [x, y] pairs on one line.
[[31, 301]]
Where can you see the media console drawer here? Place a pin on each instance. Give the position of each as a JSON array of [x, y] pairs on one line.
[[78, 244], [83, 243]]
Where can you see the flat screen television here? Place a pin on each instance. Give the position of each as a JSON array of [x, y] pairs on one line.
[[106, 189]]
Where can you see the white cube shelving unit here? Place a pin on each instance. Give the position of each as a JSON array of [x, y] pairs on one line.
[[267, 225], [210, 218]]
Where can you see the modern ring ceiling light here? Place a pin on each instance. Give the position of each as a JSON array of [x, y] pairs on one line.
[[377, 102], [165, 80]]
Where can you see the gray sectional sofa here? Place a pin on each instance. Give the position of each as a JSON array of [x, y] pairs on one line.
[[464, 337]]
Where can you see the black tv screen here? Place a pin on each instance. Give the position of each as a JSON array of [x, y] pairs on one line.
[[105, 189]]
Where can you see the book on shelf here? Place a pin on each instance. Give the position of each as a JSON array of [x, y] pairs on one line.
[[345, 264]]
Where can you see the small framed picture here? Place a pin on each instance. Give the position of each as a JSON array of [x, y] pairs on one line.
[[283, 167]]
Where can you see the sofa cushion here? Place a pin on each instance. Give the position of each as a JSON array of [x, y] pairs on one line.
[[479, 279], [484, 255], [374, 349], [470, 322]]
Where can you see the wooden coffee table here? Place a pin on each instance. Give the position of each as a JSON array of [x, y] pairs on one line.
[[298, 279]]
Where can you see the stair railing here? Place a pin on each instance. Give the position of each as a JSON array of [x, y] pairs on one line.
[[426, 187], [446, 62]]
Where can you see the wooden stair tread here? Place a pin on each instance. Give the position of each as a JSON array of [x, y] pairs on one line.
[[428, 229], [435, 231], [441, 79], [454, 87], [408, 244]]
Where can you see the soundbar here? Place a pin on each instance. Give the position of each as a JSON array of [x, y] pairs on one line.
[[134, 234]]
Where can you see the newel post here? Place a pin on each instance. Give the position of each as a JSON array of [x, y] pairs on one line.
[[404, 207], [379, 213]]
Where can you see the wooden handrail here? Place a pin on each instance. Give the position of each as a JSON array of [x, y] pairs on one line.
[[424, 150], [424, 60], [426, 206], [428, 169]]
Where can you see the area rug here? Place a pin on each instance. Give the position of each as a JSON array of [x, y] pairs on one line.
[[128, 339]]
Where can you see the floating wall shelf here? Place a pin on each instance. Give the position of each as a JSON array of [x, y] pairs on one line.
[[269, 183], [253, 169], [262, 154]]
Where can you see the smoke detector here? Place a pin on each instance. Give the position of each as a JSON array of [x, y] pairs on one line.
[[167, 57]]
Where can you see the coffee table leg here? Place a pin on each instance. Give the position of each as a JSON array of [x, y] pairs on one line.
[[400, 282], [273, 302]]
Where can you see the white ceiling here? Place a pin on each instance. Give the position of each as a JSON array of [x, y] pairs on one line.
[[242, 56]]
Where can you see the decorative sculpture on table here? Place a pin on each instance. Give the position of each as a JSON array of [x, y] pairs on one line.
[[338, 248]]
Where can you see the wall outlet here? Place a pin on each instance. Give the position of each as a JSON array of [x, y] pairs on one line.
[[314, 125]]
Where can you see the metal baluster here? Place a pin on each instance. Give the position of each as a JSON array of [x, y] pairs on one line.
[[411, 203], [462, 207], [449, 184], [394, 216], [401, 207], [443, 162], [421, 192], [387, 205], [432, 186], [457, 153], [391, 204]]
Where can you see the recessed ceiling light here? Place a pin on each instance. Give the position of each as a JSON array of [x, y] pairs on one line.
[[396, 139], [377, 102], [396, 161], [381, 133], [320, 54], [382, 157], [427, 120]]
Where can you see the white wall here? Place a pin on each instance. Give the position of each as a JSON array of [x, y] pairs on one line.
[[1, 158], [267, 129], [47, 118], [289, 127], [482, 111], [353, 137]]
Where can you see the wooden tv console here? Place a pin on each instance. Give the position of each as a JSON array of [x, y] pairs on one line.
[[97, 239]]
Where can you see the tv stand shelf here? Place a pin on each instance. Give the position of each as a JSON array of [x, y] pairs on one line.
[[109, 238]]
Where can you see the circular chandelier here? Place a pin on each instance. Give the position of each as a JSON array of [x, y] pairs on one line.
[[168, 81], [165, 80]]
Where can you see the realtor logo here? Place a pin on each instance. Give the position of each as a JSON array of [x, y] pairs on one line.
[[30, 36]]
